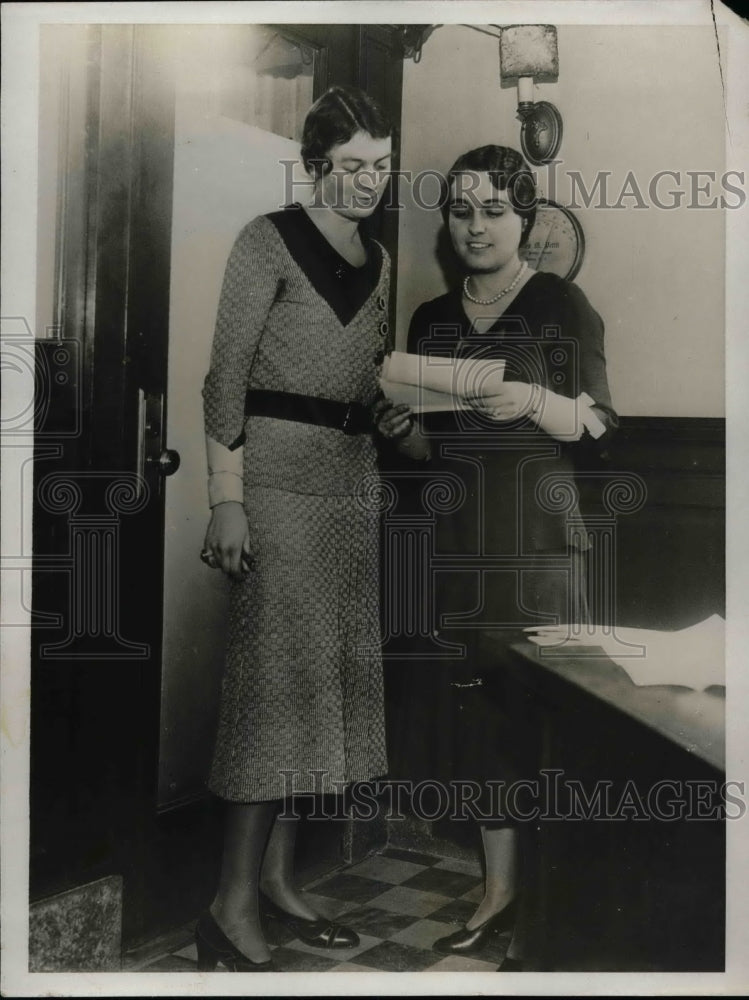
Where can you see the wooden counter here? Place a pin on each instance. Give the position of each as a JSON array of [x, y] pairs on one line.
[[626, 854]]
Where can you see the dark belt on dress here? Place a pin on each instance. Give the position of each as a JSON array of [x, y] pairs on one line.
[[351, 418]]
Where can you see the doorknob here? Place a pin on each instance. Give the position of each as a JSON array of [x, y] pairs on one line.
[[152, 456], [167, 463]]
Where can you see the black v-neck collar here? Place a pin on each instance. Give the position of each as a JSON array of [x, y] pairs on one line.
[[344, 287]]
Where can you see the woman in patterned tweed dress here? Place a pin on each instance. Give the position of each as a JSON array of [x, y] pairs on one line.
[[299, 341]]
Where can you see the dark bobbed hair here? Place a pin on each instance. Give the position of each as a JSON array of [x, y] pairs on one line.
[[333, 119], [507, 171]]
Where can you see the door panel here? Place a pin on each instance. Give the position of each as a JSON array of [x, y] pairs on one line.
[[225, 172]]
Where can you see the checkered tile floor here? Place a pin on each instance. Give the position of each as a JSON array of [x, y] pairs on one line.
[[399, 902]]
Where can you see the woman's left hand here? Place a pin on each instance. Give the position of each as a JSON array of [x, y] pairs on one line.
[[514, 399], [393, 422]]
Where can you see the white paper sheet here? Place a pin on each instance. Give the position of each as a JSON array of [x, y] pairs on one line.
[[429, 384], [693, 657]]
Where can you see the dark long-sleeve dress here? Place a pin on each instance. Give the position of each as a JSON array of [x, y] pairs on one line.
[[302, 705], [511, 553]]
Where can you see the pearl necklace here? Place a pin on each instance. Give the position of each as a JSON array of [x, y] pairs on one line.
[[499, 295]]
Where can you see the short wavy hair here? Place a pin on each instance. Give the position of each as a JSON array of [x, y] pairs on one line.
[[507, 171], [333, 119]]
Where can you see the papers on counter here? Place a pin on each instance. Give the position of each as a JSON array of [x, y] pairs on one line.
[[692, 657], [430, 384]]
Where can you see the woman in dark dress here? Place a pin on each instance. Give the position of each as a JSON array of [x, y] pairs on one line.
[[513, 552], [294, 370]]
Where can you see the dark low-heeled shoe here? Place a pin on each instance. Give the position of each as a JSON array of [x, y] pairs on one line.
[[214, 947], [465, 942], [322, 933]]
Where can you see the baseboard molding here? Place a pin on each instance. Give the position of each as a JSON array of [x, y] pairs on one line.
[[445, 839]]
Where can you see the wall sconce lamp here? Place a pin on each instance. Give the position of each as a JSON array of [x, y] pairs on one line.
[[528, 52]]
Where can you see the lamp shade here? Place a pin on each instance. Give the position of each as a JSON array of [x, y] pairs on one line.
[[528, 50]]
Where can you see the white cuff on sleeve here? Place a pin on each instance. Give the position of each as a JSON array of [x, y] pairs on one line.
[[566, 417], [225, 472], [592, 423], [221, 459], [223, 486]]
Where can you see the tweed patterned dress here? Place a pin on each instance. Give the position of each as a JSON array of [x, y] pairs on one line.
[[302, 699]]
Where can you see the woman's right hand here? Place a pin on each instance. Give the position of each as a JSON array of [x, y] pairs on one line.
[[228, 539]]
